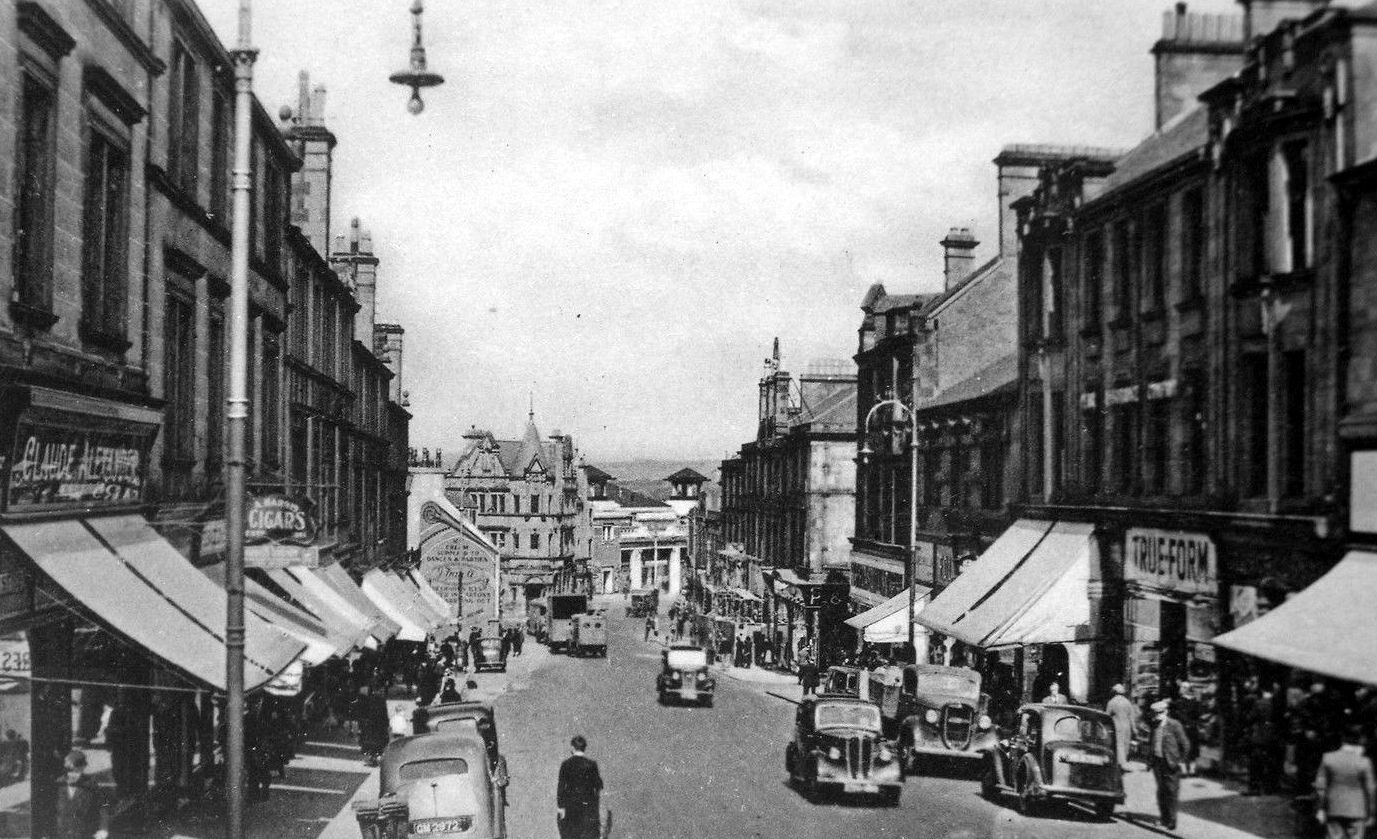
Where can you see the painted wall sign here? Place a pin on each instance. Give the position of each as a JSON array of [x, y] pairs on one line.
[[59, 462], [280, 519], [1172, 561]]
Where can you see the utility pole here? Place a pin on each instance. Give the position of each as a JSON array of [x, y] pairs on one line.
[[236, 426]]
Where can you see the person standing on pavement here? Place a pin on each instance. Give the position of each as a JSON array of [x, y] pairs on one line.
[[476, 647], [1125, 716], [81, 809], [1170, 746], [578, 795], [1346, 790], [808, 676], [1264, 758]]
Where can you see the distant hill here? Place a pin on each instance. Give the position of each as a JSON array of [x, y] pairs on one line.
[[648, 476]]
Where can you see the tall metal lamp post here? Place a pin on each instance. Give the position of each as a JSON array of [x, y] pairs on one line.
[[243, 57], [900, 411]]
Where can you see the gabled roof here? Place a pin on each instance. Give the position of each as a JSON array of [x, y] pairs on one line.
[[1183, 135], [836, 412], [1003, 372], [687, 476], [934, 303], [515, 456], [596, 475]]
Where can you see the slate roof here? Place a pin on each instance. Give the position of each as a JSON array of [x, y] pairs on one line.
[[596, 475], [1183, 135], [1001, 373], [628, 497], [937, 300], [837, 412], [516, 455], [687, 475]]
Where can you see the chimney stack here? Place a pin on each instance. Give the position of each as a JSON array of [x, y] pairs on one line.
[[357, 266], [1196, 51], [1262, 16], [958, 256], [311, 184]]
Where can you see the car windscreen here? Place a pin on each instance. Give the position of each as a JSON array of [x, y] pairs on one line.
[[850, 715], [1081, 730], [563, 608], [686, 659], [419, 770], [952, 683]]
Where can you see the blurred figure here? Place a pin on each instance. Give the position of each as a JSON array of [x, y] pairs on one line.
[[81, 809], [1345, 789], [1125, 717], [1169, 749]]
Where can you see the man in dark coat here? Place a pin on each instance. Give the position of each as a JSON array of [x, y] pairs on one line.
[[808, 676], [1170, 751], [578, 794], [476, 647], [1345, 789], [81, 809]]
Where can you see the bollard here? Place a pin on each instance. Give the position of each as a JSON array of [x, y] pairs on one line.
[[396, 817], [366, 812]]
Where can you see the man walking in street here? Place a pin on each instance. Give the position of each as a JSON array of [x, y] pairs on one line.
[[578, 795], [1345, 789], [1125, 716], [1170, 746], [649, 627]]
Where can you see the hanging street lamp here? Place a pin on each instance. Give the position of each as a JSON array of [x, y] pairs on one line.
[[416, 76]]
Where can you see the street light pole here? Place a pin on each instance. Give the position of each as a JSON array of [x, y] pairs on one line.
[[236, 426], [900, 409]]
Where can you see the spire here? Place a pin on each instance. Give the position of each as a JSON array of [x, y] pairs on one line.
[[530, 445], [530, 396]]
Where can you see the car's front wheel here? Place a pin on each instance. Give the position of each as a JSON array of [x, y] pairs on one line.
[[1029, 804]]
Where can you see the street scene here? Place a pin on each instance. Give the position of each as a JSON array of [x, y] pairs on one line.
[[724, 418]]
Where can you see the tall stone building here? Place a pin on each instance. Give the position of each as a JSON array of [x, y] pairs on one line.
[[527, 497]]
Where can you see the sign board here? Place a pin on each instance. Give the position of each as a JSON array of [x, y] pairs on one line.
[[61, 460], [462, 572], [1362, 492], [288, 682], [944, 570], [1171, 561], [280, 519], [16, 664], [924, 561], [272, 556], [826, 596]]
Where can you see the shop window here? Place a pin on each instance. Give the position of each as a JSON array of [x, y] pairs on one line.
[[105, 238], [36, 158], [1294, 437], [1092, 279], [1253, 398], [1154, 255], [1192, 243]]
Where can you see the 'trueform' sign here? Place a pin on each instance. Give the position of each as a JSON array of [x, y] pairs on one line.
[[1172, 561]]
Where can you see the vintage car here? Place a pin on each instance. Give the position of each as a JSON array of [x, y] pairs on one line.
[[536, 612], [684, 676], [1061, 752], [644, 601], [447, 786], [588, 634], [494, 654], [941, 713], [846, 681], [838, 747]]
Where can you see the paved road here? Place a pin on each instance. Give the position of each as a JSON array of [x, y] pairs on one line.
[[682, 773]]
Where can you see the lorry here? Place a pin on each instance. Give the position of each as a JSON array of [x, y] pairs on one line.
[[559, 618], [588, 634]]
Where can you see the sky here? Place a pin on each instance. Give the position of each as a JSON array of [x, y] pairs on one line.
[[612, 207]]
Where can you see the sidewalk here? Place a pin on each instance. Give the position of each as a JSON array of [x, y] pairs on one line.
[[1211, 808], [770, 682], [490, 685]]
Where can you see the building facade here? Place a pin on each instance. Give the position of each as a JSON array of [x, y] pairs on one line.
[[528, 497], [639, 541]]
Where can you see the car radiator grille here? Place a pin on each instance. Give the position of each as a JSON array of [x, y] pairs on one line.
[[859, 755], [957, 722]]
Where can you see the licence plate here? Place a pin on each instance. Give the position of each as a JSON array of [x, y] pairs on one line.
[[691, 692], [440, 826], [857, 786]]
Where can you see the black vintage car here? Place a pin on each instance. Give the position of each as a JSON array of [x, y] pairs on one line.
[[838, 747], [1057, 752], [471, 718], [684, 676], [939, 712]]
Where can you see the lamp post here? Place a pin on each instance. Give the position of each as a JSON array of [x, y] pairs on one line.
[[900, 409], [416, 76]]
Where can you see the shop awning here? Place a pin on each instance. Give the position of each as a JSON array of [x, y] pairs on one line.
[[745, 595], [320, 642], [1029, 587], [432, 597], [887, 623], [1327, 628], [325, 603], [337, 578], [385, 590], [411, 584], [140, 587]]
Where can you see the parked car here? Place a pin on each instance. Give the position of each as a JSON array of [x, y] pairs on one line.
[[939, 712], [1057, 752], [494, 654], [588, 634], [844, 680], [684, 676], [447, 785], [838, 747]]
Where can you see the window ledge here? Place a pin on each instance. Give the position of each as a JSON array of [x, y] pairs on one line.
[[36, 317], [104, 340]]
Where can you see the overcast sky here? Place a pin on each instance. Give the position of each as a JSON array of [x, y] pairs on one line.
[[619, 204]]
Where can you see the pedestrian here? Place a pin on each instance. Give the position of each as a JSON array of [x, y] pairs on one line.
[[476, 647], [1125, 717], [400, 723], [420, 718], [371, 711], [1314, 721], [1170, 746], [1345, 789], [649, 627], [579, 794], [506, 643], [1054, 695], [1263, 756], [427, 683], [1187, 710], [82, 812], [518, 639], [450, 693], [808, 676]]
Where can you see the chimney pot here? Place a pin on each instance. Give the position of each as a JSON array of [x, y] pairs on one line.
[[958, 255]]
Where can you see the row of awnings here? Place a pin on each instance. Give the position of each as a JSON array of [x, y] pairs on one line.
[[131, 581]]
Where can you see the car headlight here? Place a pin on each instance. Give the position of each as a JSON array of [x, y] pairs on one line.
[[931, 717], [702, 677], [885, 754], [834, 753], [984, 722]]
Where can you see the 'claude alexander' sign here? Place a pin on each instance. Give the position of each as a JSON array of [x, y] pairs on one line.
[[280, 519]]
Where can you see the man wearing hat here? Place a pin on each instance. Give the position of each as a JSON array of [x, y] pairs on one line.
[[1170, 747], [1125, 716], [81, 810]]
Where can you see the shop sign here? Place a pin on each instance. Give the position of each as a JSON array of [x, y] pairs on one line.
[[463, 572], [271, 556], [69, 461], [1171, 561], [945, 566], [826, 596], [279, 519], [924, 561], [289, 681], [16, 664]]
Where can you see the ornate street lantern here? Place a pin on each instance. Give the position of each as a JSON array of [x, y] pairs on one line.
[[416, 76]]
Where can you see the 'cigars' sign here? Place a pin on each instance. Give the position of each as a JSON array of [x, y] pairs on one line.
[[280, 519]]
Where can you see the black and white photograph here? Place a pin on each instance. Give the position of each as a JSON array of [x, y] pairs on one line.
[[708, 419]]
